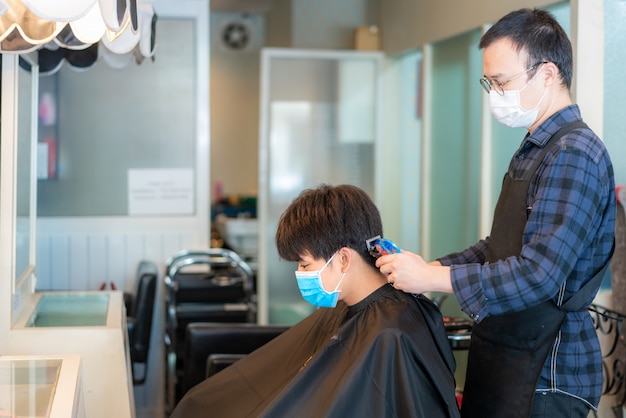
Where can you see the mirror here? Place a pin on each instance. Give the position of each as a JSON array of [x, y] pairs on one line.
[[26, 137]]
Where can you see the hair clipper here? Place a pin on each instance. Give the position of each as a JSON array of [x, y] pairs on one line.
[[378, 246]]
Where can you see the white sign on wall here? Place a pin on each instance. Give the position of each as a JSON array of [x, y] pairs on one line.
[[160, 191]]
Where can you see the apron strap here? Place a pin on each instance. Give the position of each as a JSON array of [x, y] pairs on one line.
[[578, 301], [552, 142]]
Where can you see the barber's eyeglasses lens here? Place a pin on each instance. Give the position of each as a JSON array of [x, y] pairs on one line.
[[486, 84]]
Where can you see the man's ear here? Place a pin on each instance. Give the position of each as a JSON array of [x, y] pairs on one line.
[[551, 74], [345, 258]]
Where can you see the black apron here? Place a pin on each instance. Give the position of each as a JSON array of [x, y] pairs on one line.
[[507, 352]]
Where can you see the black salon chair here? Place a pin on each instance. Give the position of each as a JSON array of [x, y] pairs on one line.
[[229, 341], [218, 362], [211, 285], [140, 311]]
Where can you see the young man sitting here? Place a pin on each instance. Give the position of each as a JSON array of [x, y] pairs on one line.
[[369, 350]]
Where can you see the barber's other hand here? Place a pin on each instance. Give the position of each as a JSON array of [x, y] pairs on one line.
[[409, 272]]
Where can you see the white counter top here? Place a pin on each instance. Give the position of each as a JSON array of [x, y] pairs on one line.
[[41, 386], [91, 325]]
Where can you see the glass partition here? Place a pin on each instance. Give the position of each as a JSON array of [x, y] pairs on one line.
[[319, 125], [615, 86], [455, 148]]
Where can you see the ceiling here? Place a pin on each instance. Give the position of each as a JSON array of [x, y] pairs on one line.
[[241, 6]]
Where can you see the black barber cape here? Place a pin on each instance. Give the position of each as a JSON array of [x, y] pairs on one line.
[[387, 356]]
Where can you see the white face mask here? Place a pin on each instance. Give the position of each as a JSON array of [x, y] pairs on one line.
[[508, 110]]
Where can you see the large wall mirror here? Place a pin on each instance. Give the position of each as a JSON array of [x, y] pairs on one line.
[[20, 74], [19, 135], [140, 130], [27, 81]]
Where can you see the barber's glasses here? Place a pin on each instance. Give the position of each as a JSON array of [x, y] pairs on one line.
[[499, 87]]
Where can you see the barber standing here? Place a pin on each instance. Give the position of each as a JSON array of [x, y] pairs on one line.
[[552, 234]]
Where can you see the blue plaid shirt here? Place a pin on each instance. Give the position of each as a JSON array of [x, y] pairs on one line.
[[568, 237]]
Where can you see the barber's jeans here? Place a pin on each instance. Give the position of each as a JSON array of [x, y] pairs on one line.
[[557, 405]]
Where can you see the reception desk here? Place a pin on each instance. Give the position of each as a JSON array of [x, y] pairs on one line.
[[41, 386], [91, 325]]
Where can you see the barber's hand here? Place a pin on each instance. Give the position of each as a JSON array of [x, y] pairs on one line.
[[409, 272]]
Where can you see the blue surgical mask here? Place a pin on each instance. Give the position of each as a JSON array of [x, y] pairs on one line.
[[312, 289]]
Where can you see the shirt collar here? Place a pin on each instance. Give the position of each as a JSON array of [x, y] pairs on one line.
[[550, 126]]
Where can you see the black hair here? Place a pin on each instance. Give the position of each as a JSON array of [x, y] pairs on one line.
[[539, 34], [322, 220]]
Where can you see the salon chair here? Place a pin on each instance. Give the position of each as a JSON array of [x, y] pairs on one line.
[[217, 362], [140, 311], [229, 341], [213, 285]]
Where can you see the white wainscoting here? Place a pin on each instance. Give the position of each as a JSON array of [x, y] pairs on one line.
[[90, 260], [84, 253]]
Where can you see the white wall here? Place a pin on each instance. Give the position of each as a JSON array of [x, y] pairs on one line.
[[235, 106]]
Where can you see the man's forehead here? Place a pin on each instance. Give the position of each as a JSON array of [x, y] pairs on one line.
[[502, 57], [306, 256]]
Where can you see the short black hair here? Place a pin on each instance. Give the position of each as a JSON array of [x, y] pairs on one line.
[[322, 220], [539, 34]]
